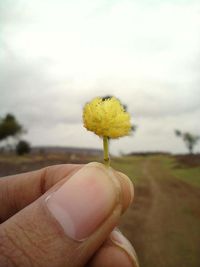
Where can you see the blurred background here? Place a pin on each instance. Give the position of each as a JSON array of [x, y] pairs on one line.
[[58, 55]]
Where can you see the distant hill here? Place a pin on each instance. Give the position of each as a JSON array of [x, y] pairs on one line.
[[66, 150], [148, 153]]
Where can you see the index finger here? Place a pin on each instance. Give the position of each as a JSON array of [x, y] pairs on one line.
[[18, 191]]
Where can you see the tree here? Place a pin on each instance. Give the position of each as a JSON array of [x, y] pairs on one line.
[[9, 127], [23, 147], [190, 139]]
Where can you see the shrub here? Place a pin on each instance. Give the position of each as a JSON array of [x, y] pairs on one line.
[[23, 147]]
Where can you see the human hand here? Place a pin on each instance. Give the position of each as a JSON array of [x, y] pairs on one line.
[[64, 215]]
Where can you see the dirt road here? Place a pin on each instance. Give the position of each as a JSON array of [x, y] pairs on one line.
[[164, 221]]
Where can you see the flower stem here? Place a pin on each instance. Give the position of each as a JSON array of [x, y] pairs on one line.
[[106, 151]]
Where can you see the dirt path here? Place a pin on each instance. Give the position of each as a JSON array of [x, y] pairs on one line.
[[164, 222]]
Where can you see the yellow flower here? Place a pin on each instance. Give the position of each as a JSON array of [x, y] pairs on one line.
[[106, 118]]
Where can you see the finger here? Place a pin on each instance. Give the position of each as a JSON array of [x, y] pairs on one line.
[[66, 227], [20, 190], [116, 251]]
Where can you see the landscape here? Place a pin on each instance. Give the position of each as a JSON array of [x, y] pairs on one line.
[[163, 223], [82, 81]]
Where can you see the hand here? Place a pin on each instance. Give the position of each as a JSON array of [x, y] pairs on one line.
[[64, 215]]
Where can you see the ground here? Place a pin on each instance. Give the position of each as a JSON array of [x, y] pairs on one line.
[[163, 223]]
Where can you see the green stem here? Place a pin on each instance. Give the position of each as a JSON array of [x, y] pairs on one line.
[[106, 151]]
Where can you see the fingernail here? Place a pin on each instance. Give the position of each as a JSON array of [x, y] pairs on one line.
[[85, 201], [121, 241]]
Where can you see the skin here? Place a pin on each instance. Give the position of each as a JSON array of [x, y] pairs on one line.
[[30, 237]]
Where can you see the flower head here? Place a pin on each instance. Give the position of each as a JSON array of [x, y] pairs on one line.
[[106, 117]]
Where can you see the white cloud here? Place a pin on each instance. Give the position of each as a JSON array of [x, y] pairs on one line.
[[58, 55]]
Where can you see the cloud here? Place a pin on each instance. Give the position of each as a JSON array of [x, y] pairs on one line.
[[28, 91], [56, 56]]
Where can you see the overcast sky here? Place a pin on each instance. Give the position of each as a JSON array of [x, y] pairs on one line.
[[56, 55]]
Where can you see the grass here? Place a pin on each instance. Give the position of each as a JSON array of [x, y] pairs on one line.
[[131, 166], [189, 175], [14, 159]]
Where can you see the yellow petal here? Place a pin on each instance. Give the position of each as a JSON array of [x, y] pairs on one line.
[[106, 118]]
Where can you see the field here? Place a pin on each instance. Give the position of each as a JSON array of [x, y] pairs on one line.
[[163, 223]]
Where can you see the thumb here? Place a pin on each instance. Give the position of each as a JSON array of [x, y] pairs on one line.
[[68, 224]]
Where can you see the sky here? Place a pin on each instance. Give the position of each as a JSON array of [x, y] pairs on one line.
[[57, 55]]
